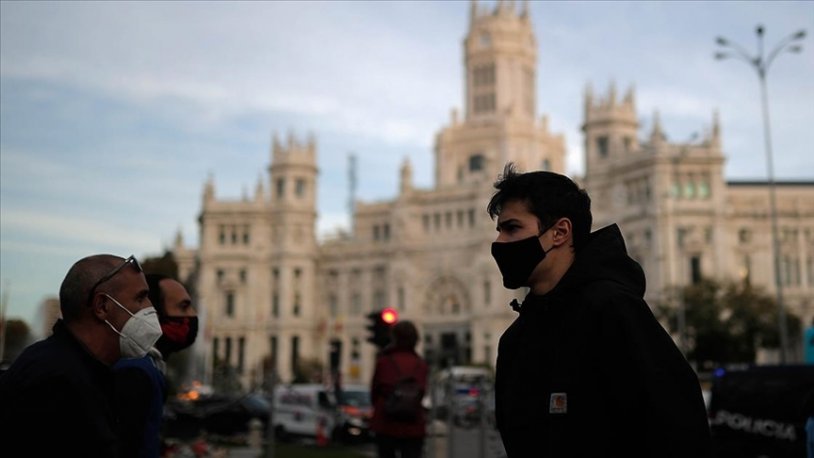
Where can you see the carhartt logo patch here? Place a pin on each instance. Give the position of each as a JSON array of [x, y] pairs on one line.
[[558, 403]]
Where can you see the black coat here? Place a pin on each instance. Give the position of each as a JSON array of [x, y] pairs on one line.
[[55, 400], [587, 371]]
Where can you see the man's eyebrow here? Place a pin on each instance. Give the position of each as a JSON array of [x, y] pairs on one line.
[[507, 221]]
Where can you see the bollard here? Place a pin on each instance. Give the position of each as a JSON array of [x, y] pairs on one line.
[[255, 439]]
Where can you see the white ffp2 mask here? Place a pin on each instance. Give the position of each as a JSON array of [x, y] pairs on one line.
[[139, 333]]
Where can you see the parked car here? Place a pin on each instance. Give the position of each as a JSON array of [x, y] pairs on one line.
[[355, 411], [761, 411], [222, 415]]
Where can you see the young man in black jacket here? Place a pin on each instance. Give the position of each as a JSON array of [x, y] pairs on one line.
[[585, 370]]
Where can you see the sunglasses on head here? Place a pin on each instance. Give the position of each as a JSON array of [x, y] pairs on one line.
[[129, 261]]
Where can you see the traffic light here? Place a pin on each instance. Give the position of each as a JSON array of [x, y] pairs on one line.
[[335, 355], [380, 322]]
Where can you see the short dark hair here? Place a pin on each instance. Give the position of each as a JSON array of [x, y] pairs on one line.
[[405, 334], [156, 294], [83, 274], [549, 196]]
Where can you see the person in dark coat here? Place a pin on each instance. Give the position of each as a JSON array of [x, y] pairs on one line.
[[141, 383], [396, 361], [56, 398], [585, 370]]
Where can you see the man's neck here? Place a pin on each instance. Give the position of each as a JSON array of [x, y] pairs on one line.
[[94, 341], [550, 276]]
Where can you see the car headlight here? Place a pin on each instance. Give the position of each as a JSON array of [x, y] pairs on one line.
[[355, 421]]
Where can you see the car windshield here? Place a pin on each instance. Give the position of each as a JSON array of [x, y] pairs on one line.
[[356, 398], [257, 403]]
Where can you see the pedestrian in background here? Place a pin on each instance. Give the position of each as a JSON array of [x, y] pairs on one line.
[[141, 383], [400, 435], [585, 369], [56, 398]]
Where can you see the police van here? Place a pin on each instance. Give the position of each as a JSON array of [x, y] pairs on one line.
[[304, 410], [761, 411]]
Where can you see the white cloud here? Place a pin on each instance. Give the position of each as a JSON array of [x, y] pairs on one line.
[[70, 230]]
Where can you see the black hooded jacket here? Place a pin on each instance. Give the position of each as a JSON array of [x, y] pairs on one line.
[[586, 370]]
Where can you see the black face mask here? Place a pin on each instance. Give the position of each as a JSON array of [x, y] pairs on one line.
[[517, 260]]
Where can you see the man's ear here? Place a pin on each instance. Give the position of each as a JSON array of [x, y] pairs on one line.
[[100, 306], [562, 232]]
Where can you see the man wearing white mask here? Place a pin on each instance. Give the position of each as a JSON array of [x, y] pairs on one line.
[[56, 397]]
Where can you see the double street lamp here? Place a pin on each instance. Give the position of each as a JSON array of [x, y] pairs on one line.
[[761, 62]]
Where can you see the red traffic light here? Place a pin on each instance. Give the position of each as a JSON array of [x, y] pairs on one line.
[[390, 315]]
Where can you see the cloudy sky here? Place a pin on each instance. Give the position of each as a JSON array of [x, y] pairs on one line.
[[113, 114]]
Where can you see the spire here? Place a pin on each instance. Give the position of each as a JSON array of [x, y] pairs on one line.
[[630, 97], [406, 176], [209, 188], [612, 94], [524, 12], [258, 189], [473, 11], [291, 140], [179, 239], [589, 99], [312, 142], [716, 129], [656, 135], [275, 144]]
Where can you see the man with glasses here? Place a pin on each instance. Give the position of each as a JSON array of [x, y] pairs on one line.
[[55, 399]]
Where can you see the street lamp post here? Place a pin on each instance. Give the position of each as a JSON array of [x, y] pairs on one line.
[[761, 65]]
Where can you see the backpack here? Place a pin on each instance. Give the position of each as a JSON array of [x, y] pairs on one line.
[[404, 403]]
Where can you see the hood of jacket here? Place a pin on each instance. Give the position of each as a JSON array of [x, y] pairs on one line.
[[603, 258]]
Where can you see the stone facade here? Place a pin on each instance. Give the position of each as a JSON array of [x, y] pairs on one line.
[[271, 294]]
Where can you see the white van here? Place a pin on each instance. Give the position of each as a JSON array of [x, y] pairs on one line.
[[459, 391], [305, 410]]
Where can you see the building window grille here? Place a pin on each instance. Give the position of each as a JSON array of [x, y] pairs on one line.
[[230, 303], [273, 351], [602, 146], [546, 165], [695, 269], [476, 162], [227, 358], [333, 305], [299, 187], [280, 188], [295, 354], [241, 354]]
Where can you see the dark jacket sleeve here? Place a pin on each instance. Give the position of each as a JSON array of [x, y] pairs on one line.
[[650, 384], [133, 398]]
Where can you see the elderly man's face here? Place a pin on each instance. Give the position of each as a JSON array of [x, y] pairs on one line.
[[130, 289]]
